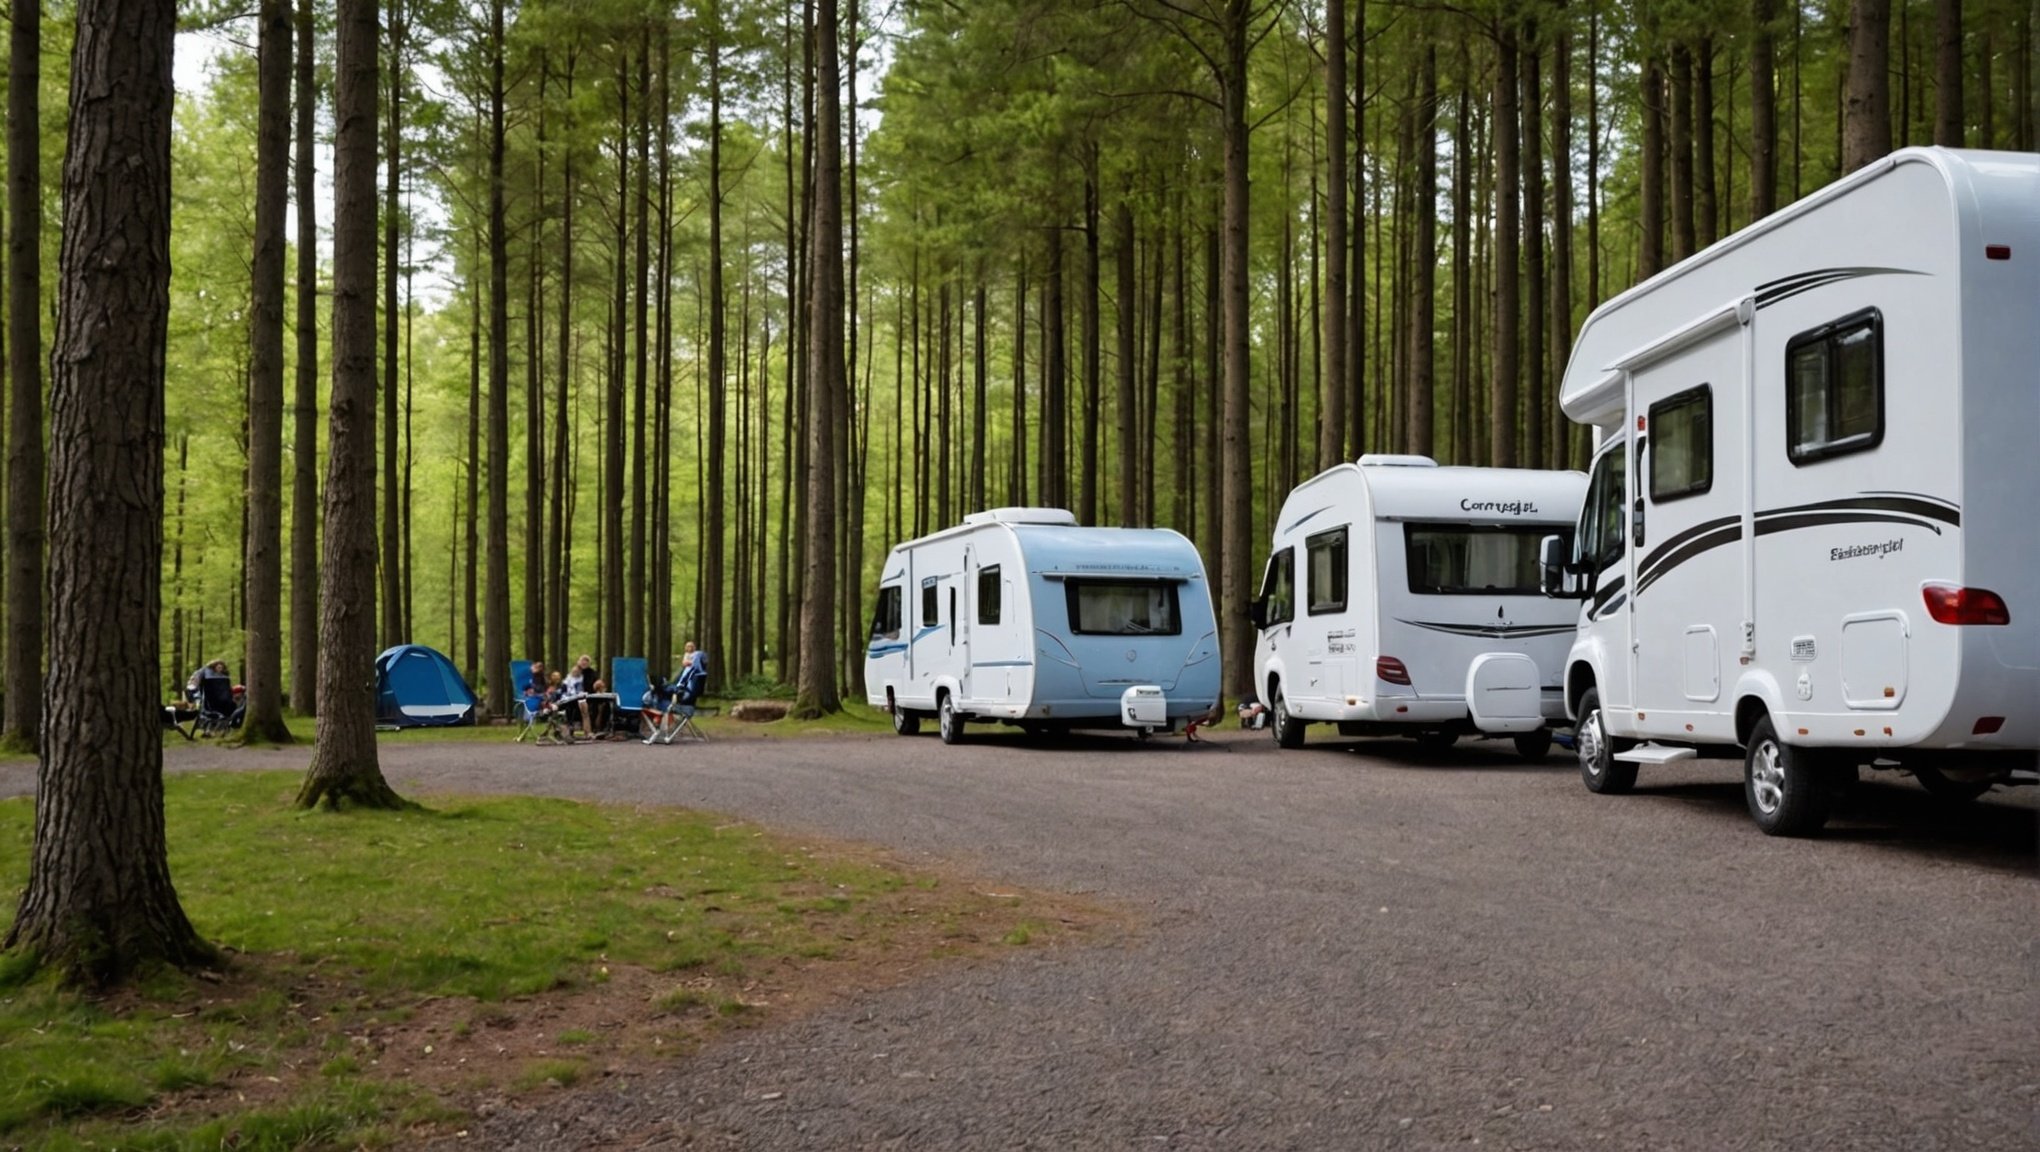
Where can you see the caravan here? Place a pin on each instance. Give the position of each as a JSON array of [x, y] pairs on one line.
[[1810, 538], [1401, 598], [1018, 615]]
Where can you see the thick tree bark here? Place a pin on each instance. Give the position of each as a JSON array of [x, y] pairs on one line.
[[304, 501], [661, 647], [556, 546], [1054, 485], [817, 690], [1332, 415], [1682, 152], [1126, 418], [615, 441], [712, 532], [393, 169], [634, 623], [467, 622], [1706, 205], [1508, 241], [1463, 451], [1763, 109], [1866, 121], [1237, 528], [1094, 404], [1948, 74], [99, 902], [534, 415], [1557, 426], [344, 764], [263, 568], [496, 621], [24, 566], [1424, 258], [1651, 251], [1532, 438]]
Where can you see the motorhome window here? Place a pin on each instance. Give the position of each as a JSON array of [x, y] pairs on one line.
[[988, 595], [1603, 522], [1278, 588], [886, 624], [1834, 388], [1681, 457], [929, 612], [1123, 607], [1475, 559], [1325, 554]]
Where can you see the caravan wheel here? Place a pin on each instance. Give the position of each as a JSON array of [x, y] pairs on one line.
[[905, 721], [1598, 767], [1288, 729], [1785, 787], [948, 720]]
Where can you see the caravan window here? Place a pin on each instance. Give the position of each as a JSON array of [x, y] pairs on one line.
[[1681, 453], [1603, 521], [988, 595], [929, 611], [1278, 588], [886, 624], [1123, 607], [1834, 388], [1326, 556], [1474, 559]]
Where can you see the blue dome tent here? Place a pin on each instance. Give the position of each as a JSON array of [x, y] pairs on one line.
[[417, 687]]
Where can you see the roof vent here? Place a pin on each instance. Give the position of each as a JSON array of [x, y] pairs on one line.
[[1022, 516], [1384, 460]]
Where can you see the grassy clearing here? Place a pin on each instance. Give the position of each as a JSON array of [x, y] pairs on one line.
[[856, 718], [389, 965]]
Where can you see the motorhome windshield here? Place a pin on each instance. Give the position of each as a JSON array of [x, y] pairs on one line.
[[1123, 607], [1475, 559]]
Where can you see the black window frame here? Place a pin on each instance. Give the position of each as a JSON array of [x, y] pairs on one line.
[[1286, 558], [1591, 520], [988, 594], [1532, 534], [931, 603], [889, 600], [1831, 335], [1073, 588], [1339, 538], [1704, 394]]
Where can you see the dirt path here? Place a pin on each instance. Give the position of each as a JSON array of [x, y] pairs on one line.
[[1351, 947]]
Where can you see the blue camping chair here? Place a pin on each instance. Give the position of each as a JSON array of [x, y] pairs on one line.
[[525, 707], [631, 683], [670, 708]]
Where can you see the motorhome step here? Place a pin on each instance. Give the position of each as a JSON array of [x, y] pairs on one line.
[[1654, 754]]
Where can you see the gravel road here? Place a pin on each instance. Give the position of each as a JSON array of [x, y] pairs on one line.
[[1352, 946]]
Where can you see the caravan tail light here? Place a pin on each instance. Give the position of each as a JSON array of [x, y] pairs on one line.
[[1391, 670], [1948, 604]]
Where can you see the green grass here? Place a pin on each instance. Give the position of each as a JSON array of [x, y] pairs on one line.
[[352, 921]]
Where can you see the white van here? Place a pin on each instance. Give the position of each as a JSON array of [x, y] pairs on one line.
[[1021, 616], [1812, 538], [1401, 598]]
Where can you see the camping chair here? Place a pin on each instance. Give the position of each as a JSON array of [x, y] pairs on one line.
[[527, 706], [629, 680], [218, 713], [670, 708]]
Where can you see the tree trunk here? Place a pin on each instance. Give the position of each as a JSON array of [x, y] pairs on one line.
[[263, 570], [1557, 426], [1763, 109], [392, 546], [469, 522], [615, 441], [304, 501], [1948, 74], [496, 625], [1236, 531], [1532, 438], [1508, 239], [99, 902], [713, 497], [1706, 207], [556, 549], [634, 614], [1055, 462], [534, 407], [24, 566], [1866, 120], [1016, 478], [661, 653], [1128, 420], [1651, 252], [1424, 257], [817, 691], [1462, 262], [1332, 416], [344, 765], [1094, 405]]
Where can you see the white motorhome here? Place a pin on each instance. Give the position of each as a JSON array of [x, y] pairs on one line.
[[1401, 598], [1811, 537], [1021, 616]]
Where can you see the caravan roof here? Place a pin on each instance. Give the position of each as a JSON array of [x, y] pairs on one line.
[[1401, 490]]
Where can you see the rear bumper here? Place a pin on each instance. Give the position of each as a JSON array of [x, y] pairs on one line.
[[1424, 710]]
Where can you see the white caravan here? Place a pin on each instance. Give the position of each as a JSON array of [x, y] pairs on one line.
[[1019, 615], [1811, 538], [1401, 598]]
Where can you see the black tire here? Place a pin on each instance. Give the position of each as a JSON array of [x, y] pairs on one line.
[[905, 721], [1287, 729], [1436, 741], [1603, 774], [948, 721], [1533, 746], [1788, 789], [1943, 787]]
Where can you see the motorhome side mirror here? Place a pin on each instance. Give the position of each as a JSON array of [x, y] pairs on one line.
[[1636, 525], [1551, 560], [1257, 612]]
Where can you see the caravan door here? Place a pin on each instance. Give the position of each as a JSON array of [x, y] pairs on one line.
[[1602, 547], [959, 620]]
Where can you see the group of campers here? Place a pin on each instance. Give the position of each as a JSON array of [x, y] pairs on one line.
[[580, 704]]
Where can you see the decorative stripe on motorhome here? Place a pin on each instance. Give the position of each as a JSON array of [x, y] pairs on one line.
[[1493, 631], [1927, 512], [1790, 286]]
